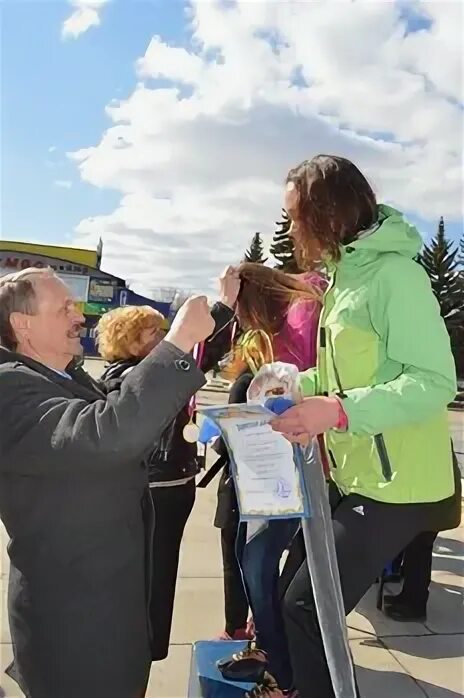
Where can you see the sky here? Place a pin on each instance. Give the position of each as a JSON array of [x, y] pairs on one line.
[[167, 127]]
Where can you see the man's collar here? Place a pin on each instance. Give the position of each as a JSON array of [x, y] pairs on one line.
[[81, 384]]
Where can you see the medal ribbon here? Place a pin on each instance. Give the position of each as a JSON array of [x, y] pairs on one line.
[[198, 353]]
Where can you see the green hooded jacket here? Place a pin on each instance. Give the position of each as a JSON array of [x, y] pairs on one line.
[[384, 349]]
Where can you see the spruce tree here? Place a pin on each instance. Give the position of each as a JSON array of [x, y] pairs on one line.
[[283, 248], [440, 260], [256, 251]]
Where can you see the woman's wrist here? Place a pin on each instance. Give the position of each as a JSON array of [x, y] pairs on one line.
[[342, 421]]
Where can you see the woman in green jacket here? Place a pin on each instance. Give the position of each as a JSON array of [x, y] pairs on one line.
[[379, 393]]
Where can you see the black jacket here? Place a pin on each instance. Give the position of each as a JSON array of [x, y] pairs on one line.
[[173, 458], [72, 491]]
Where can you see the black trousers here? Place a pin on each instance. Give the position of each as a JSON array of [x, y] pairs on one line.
[[417, 570], [368, 535], [235, 598], [172, 508]]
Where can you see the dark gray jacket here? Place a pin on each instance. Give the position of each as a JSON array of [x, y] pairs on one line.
[[172, 457], [71, 498]]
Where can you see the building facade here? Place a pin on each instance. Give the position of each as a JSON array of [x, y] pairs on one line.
[[95, 290]]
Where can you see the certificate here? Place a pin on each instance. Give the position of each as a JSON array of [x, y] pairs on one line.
[[265, 466]]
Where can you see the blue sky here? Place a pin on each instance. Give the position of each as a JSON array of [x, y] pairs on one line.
[[54, 93]]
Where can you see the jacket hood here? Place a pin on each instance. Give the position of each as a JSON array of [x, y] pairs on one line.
[[391, 233]]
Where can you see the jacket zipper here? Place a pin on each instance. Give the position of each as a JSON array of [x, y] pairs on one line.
[[383, 456], [341, 393], [325, 335]]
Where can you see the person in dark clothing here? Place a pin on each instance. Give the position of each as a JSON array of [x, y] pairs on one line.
[[125, 336], [227, 519], [416, 569], [73, 491]]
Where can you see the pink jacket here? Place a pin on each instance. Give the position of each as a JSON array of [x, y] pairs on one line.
[[296, 343]]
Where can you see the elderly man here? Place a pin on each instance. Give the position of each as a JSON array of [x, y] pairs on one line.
[[72, 486]]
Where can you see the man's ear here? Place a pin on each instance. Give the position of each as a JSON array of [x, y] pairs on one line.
[[20, 322]]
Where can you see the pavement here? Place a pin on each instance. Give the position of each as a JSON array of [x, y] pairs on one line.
[[394, 660]]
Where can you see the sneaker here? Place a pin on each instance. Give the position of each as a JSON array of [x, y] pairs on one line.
[[243, 634], [269, 688], [248, 665]]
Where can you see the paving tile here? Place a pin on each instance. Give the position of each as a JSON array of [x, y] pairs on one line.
[[379, 674], [433, 691], [8, 688], [435, 660], [445, 607], [198, 559], [169, 678], [368, 619], [198, 613], [4, 627]]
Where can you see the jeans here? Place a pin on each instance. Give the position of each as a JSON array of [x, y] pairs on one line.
[[260, 559]]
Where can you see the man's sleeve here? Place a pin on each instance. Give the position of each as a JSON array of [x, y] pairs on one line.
[[39, 429]]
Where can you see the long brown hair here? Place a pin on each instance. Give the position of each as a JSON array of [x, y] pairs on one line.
[[333, 202], [265, 296]]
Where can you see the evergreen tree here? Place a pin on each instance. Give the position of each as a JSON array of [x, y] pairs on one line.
[[282, 248], [256, 251], [441, 262]]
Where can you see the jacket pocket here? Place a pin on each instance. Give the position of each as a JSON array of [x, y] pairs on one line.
[[383, 457]]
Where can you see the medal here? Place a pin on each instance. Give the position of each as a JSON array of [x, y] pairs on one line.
[[191, 432]]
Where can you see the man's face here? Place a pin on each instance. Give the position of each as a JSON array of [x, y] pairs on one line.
[[53, 332]]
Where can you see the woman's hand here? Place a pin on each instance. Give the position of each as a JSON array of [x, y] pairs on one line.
[[311, 417], [229, 287]]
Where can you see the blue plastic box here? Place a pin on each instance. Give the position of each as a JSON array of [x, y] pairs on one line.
[[205, 679]]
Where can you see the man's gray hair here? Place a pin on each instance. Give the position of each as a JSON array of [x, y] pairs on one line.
[[17, 295]]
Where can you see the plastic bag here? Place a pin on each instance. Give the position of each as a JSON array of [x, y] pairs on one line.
[[277, 379]]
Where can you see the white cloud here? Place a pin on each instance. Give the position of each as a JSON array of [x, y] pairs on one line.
[[63, 183], [86, 14], [52, 149], [200, 154]]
